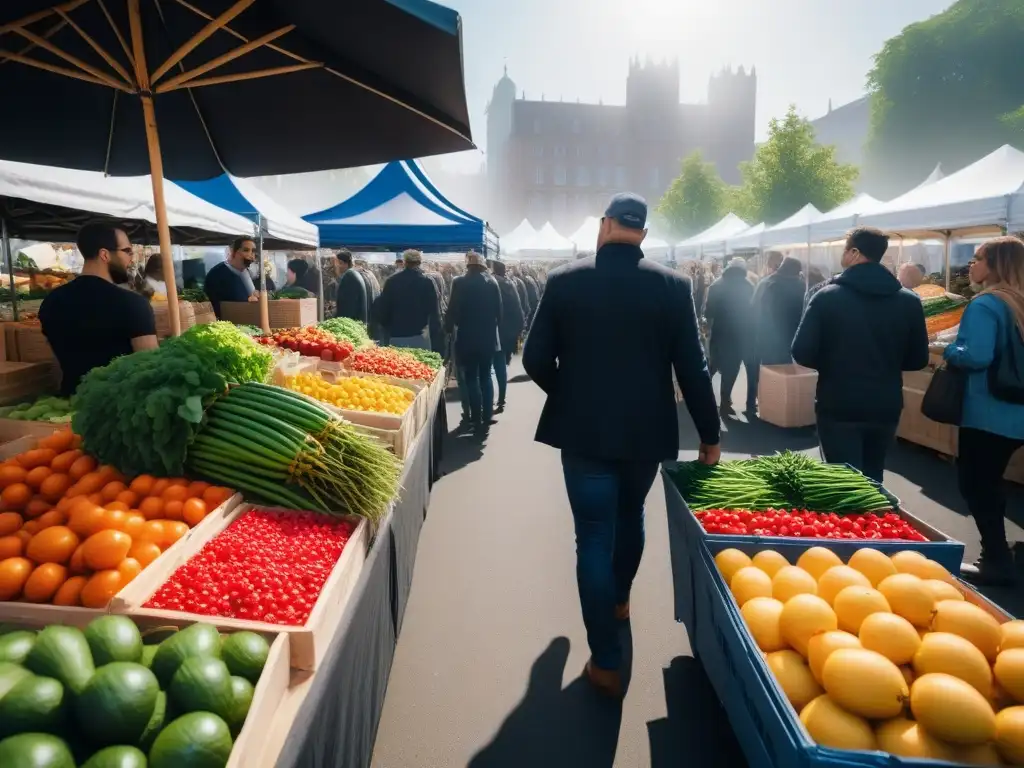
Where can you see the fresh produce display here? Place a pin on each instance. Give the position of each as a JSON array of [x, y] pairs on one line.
[[936, 305], [108, 696], [943, 322], [783, 481], [268, 565], [287, 449], [354, 393], [347, 329], [196, 295], [73, 533], [141, 412], [310, 341], [56, 410], [249, 330], [390, 361], [425, 356], [885, 653], [808, 525], [293, 292]]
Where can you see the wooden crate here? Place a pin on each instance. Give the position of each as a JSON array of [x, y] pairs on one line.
[[24, 381], [309, 642], [916, 428], [162, 317], [203, 311], [150, 578], [284, 313], [271, 689], [12, 429], [785, 395], [31, 345]]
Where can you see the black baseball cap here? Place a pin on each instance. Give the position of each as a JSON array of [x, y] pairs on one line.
[[628, 209]]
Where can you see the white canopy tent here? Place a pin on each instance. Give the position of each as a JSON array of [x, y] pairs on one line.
[[712, 240], [747, 240], [548, 239], [986, 194], [656, 248], [840, 220], [41, 202], [585, 237], [523, 237], [795, 229]]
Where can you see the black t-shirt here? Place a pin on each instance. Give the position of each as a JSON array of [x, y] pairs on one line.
[[89, 322]]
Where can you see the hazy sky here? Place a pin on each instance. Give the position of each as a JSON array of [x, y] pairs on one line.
[[805, 51]]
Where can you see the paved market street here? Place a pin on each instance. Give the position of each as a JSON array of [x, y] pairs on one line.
[[487, 671]]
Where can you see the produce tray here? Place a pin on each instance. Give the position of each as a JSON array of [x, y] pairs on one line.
[[686, 536], [44, 613], [767, 728], [309, 642], [271, 689], [12, 429]]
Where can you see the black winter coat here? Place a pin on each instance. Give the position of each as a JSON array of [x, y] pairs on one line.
[[618, 323], [860, 332], [778, 307], [475, 310], [513, 320], [408, 304], [729, 311], [352, 300]]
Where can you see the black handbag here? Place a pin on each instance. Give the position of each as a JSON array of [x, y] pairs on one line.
[[944, 399], [1006, 374]]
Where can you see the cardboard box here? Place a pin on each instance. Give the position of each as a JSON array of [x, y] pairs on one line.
[[24, 381], [284, 313], [785, 395], [916, 428]]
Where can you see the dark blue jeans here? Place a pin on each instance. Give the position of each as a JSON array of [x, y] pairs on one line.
[[862, 446], [607, 500], [476, 376], [501, 375]]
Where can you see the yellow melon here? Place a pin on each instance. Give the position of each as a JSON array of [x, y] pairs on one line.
[[952, 710], [729, 561], [905, 738], [917, 564], [817, 560], [762, 617], [831, 726], [837, 578], [1011, 634], [790, 580], [748, 583], [890, 635], [854, 604], [821, 646], [803, 617], [1009, 671], [794, 678], [953, 655], [865, 683], [769, 561], [943, 590], [873, 564], [970, 622], [909, 597], [1010, 735]]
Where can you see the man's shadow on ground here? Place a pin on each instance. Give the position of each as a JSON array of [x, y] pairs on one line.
[[572, 727]]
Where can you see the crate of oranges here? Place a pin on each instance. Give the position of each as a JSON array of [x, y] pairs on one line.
[[73, 533]]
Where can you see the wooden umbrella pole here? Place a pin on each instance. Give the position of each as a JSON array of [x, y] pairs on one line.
[[264, 306], [156, 165]]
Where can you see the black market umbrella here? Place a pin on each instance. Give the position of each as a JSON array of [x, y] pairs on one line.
[[188, 89]]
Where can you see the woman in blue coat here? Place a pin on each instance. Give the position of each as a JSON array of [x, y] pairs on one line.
[[991, 430]]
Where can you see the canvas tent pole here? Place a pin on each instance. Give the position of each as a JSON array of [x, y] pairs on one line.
[[156, 163], [264, 306], [9, 263], [946, 254]]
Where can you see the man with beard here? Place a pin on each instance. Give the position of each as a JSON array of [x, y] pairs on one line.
[[91, 320], [230, 280]]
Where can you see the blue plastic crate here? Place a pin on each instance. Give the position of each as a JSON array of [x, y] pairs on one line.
[[766, 725]]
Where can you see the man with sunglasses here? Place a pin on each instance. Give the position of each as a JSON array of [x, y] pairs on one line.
[[93, 319]]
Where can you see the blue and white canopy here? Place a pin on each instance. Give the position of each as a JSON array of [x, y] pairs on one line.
[[401, 208], [281, 228]]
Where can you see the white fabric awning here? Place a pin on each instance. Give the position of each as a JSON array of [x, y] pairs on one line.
[[795, 229], [279, 222], [840, 220], [585, 237], [714, 237], [523, 237], [747, 240], [548, 239]]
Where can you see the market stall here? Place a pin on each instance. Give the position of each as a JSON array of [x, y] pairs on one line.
[[839, 635], [711, 241]]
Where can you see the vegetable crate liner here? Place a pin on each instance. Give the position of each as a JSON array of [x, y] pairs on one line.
[[284, 313], [785, 395], [916, 428], [766, 725], [307, 643], [150, 578], [270, 690]]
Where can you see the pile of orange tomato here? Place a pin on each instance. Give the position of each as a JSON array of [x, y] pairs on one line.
[[73, 533]]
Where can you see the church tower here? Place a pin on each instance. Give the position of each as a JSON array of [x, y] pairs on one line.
[[499, 131], [732, 107]]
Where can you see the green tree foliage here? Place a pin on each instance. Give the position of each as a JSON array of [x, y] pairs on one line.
[[695, 200], [949, 89], [790, 170]]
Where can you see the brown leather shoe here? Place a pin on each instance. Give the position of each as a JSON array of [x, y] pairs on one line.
[[607, 681], [622, 611]]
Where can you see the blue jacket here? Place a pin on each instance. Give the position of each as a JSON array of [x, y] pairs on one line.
[[983, 330], [860, 332]]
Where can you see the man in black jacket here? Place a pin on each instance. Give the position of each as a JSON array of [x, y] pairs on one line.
[[351, 298], [474, 316], [616, 323], [729, 314], [860, 332], [512, 324], [408, 309]]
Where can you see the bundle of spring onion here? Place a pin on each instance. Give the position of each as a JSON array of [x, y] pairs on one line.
[[288, 450], [783, 481]]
